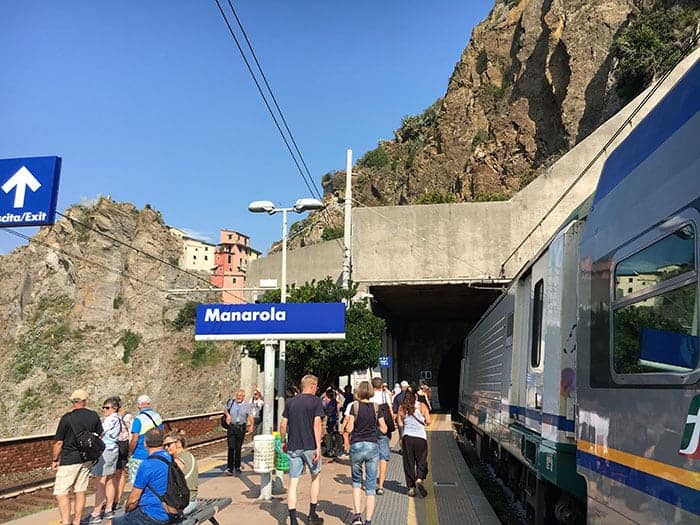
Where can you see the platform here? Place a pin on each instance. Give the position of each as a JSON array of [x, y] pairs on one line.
[[454, 498]]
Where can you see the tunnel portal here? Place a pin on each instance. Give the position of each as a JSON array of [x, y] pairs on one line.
[[426, 327]]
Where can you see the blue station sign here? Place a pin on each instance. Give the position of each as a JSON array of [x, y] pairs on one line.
[[384, 361], [28, 191], [258, 322]]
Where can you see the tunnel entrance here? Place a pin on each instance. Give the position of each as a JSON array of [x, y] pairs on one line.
[[426, 327]]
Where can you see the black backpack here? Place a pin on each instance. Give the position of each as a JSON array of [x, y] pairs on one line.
[[177, 495], [386, 414], [90, 445]]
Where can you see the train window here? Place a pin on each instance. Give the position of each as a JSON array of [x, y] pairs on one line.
[[536, 332], [655, 320], [671, 256]]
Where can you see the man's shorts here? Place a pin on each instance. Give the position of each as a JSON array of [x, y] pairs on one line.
[[107, 464], [299, 458], [134, 465], [72, 476], [384, 448]]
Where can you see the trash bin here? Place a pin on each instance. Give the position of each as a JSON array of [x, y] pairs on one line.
[[263, 453], [281, 458]]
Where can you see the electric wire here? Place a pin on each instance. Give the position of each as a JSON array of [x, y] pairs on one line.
[[274, 100], [262, 95], [305, 173], [603, 150], [148, 255], [84, 259]]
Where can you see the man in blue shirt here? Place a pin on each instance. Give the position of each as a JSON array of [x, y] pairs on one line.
[[146, 420], [143, 507]]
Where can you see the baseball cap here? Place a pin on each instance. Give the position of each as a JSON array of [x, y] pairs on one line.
[[404, 383], [79, 395]]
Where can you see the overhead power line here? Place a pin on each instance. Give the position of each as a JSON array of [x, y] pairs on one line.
[[86, 260], [146, 254], [309, 184]]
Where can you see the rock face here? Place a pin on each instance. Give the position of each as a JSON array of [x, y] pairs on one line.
[[536, 78], [81, 309]]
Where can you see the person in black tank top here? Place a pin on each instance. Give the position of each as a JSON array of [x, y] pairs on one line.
[[362, 425]]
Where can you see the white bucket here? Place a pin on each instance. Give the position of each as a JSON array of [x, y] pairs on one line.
[[263, 453]]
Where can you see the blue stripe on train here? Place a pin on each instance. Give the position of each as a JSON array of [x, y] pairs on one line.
[[555, 420], [668, 491], [675, 109]]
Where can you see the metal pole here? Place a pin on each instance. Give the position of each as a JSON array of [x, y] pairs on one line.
[[266, 479], [347, 238], [282, 378]]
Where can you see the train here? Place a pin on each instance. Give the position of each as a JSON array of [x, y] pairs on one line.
[[579, 385]]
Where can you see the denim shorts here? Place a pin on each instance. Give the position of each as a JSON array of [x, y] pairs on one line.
[[367, 454], [299, 458], [384, 449]]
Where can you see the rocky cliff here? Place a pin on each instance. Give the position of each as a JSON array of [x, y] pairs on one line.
[[536, 78], [86, 304]]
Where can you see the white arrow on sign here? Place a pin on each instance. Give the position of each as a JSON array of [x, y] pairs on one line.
[[22, 179]]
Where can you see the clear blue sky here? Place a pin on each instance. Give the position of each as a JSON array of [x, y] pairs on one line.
[[150, 101]]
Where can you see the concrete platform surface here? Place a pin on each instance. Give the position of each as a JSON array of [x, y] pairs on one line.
[[453, 497]]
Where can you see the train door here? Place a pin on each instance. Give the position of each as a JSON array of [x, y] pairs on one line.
[[534, 351]]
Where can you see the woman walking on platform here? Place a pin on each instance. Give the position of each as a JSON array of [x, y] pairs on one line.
[[362, 426], [413, 418]]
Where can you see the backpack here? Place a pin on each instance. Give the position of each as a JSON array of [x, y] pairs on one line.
[[384, 412], [177, 495], [229, 404], [90, 445]]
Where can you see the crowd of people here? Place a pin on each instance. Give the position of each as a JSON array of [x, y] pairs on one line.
[[366, 418], [130, 442], [362, 420]]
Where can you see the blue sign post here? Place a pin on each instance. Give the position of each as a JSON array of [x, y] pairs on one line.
[[28, 191], [270, 321], [384, 361]]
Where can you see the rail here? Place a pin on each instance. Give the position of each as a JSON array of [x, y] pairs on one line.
[[24, 460]]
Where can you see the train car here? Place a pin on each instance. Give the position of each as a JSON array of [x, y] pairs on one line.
[[580, 384], [518, 384], [638, 427]]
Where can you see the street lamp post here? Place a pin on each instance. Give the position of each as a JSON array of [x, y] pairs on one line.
[[268, 207]]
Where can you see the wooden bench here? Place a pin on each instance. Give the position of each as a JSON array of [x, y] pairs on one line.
[[205, 511]]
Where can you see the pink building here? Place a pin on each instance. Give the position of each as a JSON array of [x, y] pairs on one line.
[[233, 253]]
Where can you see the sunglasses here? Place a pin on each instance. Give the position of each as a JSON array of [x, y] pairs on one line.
[[106, 408], [169, 443]]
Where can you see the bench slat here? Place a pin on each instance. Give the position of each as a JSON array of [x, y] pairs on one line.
[[206, 510]]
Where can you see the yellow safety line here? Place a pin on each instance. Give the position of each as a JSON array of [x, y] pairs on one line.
[[431, 512], [412, 517]]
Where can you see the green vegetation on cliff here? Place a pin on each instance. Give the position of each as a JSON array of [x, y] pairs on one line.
[[650, 45]]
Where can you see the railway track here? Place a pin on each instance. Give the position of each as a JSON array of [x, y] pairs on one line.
[[36, 493]]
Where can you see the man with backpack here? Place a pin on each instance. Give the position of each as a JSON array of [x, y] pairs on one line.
[[160, 491], [147, 419], [383, 400], [72, 470]]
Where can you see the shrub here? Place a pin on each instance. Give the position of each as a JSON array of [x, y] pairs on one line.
[[186, 316], [130, 341], [117, 302], [332, 232], [29, 402], [650, 45], [436, 197], [479, 138], [204, 353], [376, 158], [487, 196]]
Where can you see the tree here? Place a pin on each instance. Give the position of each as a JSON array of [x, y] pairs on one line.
[[329, 359]]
